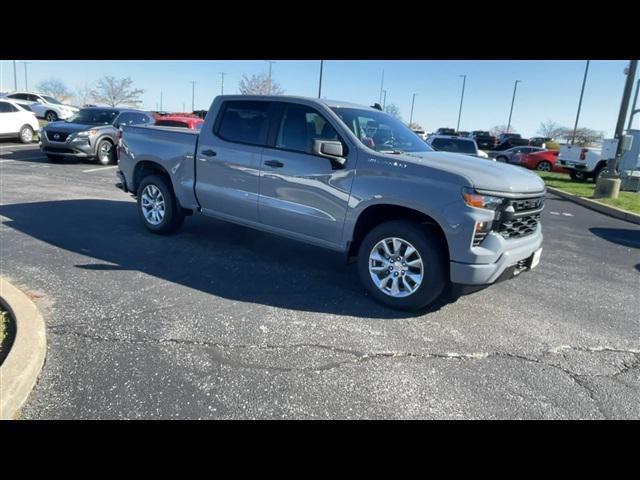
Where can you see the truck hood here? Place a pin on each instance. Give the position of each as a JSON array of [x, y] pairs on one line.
[[481, 173]]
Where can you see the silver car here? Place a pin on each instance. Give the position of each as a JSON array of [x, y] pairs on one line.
[[514, 154]]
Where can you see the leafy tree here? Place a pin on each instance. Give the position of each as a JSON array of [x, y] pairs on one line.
[[259, 85], [55, 88], [114, 92], [393, 110]]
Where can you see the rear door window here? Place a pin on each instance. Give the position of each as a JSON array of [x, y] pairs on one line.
[[244, 122]]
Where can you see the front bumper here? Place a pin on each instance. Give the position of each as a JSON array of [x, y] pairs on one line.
[[82, 148], [511, 262]]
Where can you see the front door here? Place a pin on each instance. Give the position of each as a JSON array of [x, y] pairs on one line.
[[302, 193]]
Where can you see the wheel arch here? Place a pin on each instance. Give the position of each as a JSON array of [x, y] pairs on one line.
[[144, 168], [376, 214]]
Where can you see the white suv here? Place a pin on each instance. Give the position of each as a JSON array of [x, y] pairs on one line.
[[44, 106], [15, 121]]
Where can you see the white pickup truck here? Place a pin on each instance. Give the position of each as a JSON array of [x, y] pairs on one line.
[[586, 162]]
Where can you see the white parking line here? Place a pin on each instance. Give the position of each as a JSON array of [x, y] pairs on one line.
[[567, 214], [98, 169], [2, 161]]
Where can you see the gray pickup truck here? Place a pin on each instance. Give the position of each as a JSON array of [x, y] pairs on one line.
[[345, 177]]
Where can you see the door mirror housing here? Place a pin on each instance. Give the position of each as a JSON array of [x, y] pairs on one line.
[[331, 149]]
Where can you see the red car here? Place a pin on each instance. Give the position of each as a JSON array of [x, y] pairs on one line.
[[193, 123], [544, 161]]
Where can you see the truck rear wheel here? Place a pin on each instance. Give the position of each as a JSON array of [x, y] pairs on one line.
[[578, 175], [402, 265], [158, 206]]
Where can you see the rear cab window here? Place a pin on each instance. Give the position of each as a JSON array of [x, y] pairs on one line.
[[243, 122]]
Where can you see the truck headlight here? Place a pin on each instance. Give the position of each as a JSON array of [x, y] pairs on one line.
[[477, 200]]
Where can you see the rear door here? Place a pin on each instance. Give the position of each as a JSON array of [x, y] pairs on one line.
[[228, 160], [302, 193]]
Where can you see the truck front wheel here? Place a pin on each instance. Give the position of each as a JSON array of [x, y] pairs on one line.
[[158, 206], [402, 265], [578, 175]]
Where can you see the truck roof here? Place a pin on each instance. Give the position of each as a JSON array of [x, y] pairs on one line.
[[276, 98]]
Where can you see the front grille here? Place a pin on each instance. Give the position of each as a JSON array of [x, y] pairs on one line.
[[519, 227], [519, 217], [57, 136]]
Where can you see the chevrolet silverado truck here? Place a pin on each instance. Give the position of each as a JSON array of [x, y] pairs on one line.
[[345, 177]]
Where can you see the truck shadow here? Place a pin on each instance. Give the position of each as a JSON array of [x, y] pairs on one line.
[[215, 257], [621, 236]]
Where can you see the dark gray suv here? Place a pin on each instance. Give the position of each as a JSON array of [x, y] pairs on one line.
[[92, 133]]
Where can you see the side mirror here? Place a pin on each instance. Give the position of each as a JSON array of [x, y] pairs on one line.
[[330, 149]]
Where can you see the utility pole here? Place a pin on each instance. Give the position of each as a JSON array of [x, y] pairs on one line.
[[584, 82], [26, 84], [381, 85], [413, 99], [15, 77], [384, 101], [161, 100], [193, 94], [464, 80], [222, 74], [608, 185], [634, 110], [320, 83], [515, 86], [183, 110], [270, 62]]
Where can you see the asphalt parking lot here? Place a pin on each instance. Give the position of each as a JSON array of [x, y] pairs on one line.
[[219, 321]]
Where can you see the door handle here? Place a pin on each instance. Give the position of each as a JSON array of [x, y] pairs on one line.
[[274, 163], [208, 153]]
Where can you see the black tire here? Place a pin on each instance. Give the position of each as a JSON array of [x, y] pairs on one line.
[[544, 166], [597, 172], [51, 116], [105, 152], [26, 134], [54, 158], [173, 215], [578, 176], [434, 258]]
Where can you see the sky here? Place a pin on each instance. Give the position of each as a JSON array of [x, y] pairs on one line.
[[549, 90]]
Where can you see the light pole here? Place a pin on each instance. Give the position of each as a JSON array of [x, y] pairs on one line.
[[464, 80], [515, 86], [270, 62], [384, 100], [584, 82], [15, 77], [222, 74], [320, 83], [413, 99], [26, 84], [193, 94], [381, 85], [634, 110], [608, 185], [161, 100]]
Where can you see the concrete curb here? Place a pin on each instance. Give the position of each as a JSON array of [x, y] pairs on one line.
[[597, 206], [21, 367]]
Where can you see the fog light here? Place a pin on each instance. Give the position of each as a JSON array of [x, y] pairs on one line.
[[481, 231]]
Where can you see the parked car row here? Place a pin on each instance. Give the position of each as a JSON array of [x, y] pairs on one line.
[[16, 121], [44, 106]]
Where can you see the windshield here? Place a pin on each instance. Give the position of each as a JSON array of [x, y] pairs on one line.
[[381, 132], [93, 116], [51, 99], [454, 145]]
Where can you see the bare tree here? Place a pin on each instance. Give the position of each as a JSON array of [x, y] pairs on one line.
[[585, 137], [83, 95], [54, 87], [550, 129], [393, 110], [259, 85], [499, 129], [415, 126], [114, 92]]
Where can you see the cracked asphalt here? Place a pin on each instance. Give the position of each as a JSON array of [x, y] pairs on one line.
[[219, 321]]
